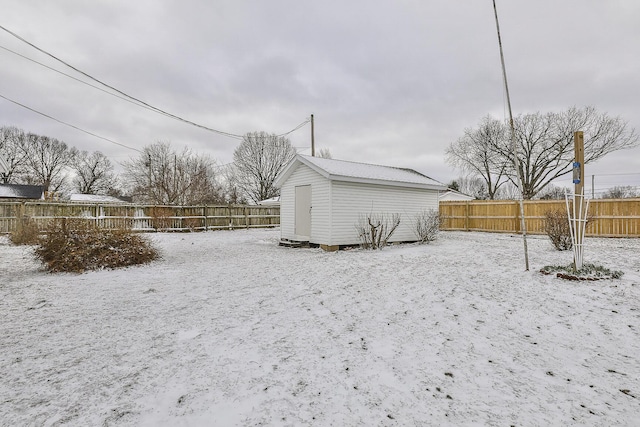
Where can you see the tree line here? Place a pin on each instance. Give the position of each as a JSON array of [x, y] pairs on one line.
[[159, 174], [544, 151]]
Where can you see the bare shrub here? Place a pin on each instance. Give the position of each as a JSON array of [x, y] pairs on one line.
[[26, 233], [193, 223], [427, 225], [161, 218], [556, 226], [375, 230], [75, 245]]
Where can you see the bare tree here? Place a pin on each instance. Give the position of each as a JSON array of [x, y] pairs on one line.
[[232, 192], [552, 192], [476, 154], [471, 186], [258, 160], [160, 175], [46, 161], [621, 192], [545, 146], [94, 173], [12, 141], [324, 153]]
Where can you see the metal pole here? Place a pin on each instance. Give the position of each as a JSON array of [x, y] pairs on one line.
[[514, 147]]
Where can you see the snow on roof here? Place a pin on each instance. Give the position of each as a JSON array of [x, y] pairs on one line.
[[341, 170], [16, 191], [453, 195], [94, 198], [270, 202]]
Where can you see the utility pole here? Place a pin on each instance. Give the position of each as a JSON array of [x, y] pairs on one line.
[[523, 225], [313, 142]]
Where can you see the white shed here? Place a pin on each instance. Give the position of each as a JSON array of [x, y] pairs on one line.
[[322, 200]]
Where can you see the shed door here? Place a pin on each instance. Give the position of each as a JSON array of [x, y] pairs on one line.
[[303, 211]]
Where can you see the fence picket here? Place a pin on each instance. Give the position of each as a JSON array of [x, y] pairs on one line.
[[140, 218], [607, 217]]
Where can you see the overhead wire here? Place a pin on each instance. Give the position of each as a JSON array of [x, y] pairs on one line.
[[122, 97], [125, 96], [76, 79], [137, 100], [69, 124]]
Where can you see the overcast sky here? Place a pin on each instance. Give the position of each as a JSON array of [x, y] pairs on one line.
[[389, 82]]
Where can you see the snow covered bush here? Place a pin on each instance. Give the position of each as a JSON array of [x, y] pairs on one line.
[[427, 225], [75, 245], [587, 272], [556, 226], [374, 230]]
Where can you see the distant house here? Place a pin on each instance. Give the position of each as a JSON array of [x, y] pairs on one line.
[[14, 192], [94, 198], [322, 200], [272, 202], [452, 195]]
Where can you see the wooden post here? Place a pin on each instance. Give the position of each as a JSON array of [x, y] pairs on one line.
[[579, 202], [466, 216], [205, 218], [313, 139]]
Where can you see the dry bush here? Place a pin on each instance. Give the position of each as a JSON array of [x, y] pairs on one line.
[[556, 226], [77, 245], [374, 230], [161, 218], [193, 223], [427, 225], [26, 233]]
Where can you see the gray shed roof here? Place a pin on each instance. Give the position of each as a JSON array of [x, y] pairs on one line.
[[340, 170], [16, 191]]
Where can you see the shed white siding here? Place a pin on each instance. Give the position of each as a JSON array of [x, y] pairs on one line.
[[343, 192], [320, 204], [350, 200]]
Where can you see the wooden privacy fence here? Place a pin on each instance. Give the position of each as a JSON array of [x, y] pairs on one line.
[[607, 217], [140, 218]]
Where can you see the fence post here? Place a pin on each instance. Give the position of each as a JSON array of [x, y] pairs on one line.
[[517, 227], [246, 217], [466, 216]]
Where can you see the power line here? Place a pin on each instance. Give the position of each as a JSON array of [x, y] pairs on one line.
[[76, 79], [125, 96], [70, 125], [158, 110]]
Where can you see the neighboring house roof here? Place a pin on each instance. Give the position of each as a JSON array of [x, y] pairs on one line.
[[274, 201], [94, 198], [340, 170], [453, 195], [17, 191]]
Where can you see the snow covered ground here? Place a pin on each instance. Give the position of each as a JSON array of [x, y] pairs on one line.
[[230, 329]]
